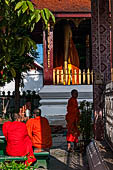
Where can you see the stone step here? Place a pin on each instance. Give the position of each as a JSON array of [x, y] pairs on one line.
[[94, 157]]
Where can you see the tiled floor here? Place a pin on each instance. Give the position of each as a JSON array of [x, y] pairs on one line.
[[63, 160]]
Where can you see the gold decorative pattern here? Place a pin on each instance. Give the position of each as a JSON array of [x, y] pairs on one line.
[[48, 47]]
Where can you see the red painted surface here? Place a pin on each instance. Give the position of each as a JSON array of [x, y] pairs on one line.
[[48, 70], [64, 5]]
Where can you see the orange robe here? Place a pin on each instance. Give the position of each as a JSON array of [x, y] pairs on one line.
[[72, 119], [18, 141], [39, 132]]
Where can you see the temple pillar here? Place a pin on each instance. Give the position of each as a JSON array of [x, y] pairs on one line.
[[101, 61], [87, 52], [112, 38], [48, 55]]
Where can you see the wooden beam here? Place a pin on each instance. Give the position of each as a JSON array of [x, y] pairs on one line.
[[73, 15]]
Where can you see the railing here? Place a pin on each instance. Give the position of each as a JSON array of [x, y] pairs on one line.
[[69, 78], [7, 104]]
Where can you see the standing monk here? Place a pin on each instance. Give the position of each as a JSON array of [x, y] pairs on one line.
[[18, 141], [72, 119], [39, 131]]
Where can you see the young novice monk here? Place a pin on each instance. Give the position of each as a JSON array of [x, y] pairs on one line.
[[72, 119]]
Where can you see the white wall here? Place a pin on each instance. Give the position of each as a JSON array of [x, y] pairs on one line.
[[33, 81]]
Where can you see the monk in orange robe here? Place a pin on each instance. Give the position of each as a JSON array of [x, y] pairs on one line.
[[39, 131], [72, 119], [18, 141]]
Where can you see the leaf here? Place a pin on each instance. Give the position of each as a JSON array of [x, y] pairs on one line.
[[34, 45], [4, 48], [47, 13], [8, 57], [19, 12], [13, 72], [2, 58], [18, 5], [37, 15], [7, 2], [32, 16], [32, 27], [18, 38], [22, 49], [28, 45], [30, 5], [24, 7], [12, 0], [52, 16], [43, 16]]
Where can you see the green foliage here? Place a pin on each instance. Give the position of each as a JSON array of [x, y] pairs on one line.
[[17, 20], [14, 166], [86, 122]]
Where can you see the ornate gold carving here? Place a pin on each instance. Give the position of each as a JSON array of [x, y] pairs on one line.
[[48, 48]]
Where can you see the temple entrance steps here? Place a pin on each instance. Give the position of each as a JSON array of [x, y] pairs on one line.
[[54, 100]]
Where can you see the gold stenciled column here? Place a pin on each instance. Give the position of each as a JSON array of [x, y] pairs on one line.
[[48, 54]]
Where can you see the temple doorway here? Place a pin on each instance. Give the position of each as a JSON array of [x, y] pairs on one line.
[[72, 48]]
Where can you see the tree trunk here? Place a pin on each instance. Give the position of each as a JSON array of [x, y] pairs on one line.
[[17, 93]]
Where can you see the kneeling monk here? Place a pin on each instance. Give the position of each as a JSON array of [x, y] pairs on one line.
[[18, 141], [72, 119]]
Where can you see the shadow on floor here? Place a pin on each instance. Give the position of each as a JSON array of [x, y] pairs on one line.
[[55, 164], [63, 160]]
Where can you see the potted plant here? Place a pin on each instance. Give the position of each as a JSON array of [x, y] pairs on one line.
[[14, 166], [86, 121]]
